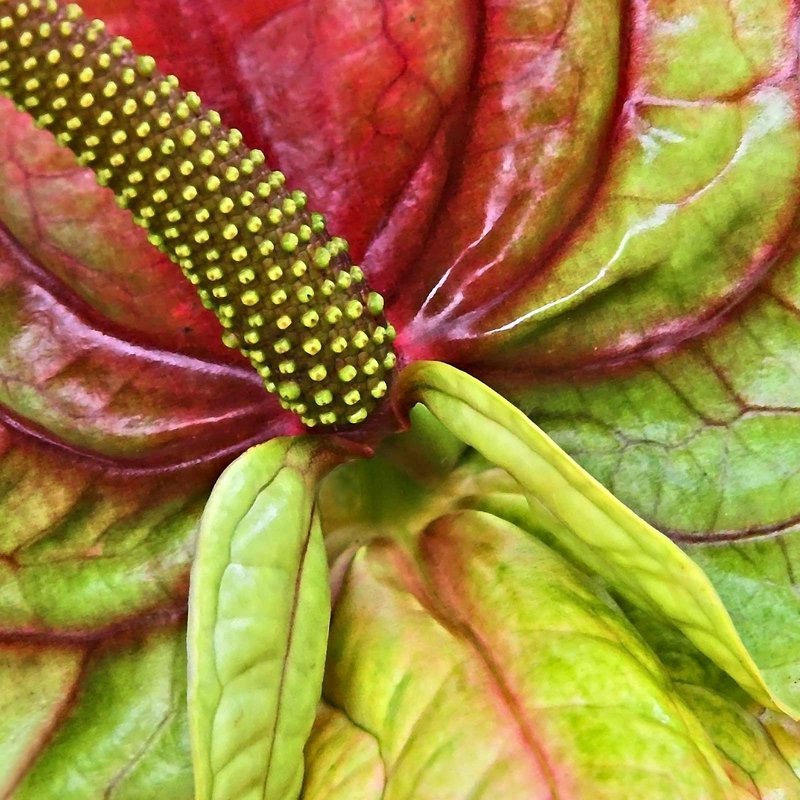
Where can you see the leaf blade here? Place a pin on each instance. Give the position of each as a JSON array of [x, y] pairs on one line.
[[561, 700], [258, 623], [123, 736], [590, 523]]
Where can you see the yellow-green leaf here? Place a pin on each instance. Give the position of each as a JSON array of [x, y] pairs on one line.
[[258, 623], [589, 523]]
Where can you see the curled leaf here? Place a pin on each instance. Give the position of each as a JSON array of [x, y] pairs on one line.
[[595, 528], [258, 623]]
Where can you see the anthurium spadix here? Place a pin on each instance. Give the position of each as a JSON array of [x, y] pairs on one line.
[[496, 623]]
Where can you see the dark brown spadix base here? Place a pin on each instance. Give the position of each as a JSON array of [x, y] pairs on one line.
[[283, 289]]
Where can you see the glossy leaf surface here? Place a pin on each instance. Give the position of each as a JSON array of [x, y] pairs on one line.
[[591, 205], [537, 707], [258, 623], [595, 529]]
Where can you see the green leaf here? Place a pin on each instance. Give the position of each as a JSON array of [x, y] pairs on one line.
[[739, 727], [561, 699], [343, 762], [761, 747], [757, 581], [118, 731], [35, 686], [596, 529], [258, 623]]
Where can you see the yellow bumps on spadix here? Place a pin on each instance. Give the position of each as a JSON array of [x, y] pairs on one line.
[[282, 288]]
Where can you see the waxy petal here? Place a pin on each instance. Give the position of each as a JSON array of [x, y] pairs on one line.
[[786, 735], [486, 160], [110, 546], [68, 226], [544, 97], [702, 441], [757, 582], [390, 80], [714, 170], [28, 714], [100, 393]]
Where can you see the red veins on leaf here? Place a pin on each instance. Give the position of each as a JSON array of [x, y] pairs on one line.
[[514, 177], [590, 204]]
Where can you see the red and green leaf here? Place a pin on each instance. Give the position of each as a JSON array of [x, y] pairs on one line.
[[590, 205]]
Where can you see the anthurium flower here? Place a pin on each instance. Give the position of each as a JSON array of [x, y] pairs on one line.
[[589, 208]]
